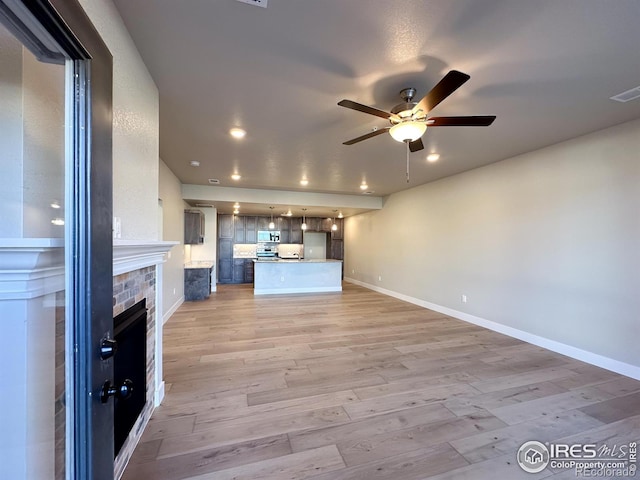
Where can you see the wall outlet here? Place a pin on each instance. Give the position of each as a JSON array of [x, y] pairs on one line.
[[463, 298], [379, 278], [282, 278], [353, 270], [174, 291]]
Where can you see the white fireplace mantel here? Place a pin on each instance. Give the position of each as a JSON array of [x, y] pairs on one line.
[[129, 255]]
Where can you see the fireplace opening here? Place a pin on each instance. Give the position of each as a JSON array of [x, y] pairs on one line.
[[130, 362]]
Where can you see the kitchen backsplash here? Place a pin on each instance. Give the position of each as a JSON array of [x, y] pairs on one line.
[[244, 250], [284, 250], [290, 250]]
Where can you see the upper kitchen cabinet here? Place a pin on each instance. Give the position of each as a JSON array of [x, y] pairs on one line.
[[193, 227], [225, 226], [239, 223], [283, 224], [338, 234], [251, 229], [314, 224], [263, 223], [326, 225], [296, 230]]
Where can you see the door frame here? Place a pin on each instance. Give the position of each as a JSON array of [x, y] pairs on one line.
[[59, 31]]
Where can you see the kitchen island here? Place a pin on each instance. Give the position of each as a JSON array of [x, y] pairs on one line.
[[197, 280], [297, 276]]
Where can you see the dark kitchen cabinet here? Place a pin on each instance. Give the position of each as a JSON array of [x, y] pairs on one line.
[[263, 223], [239, 234], [197, 283], [193, 227], [225, 270], [250, 229], [283, 224], [225, 226], [248, 271], [238, 270], [327, 223], [337, 249], [296, 230], [314, 224], [338, 234], [225, 256], [225, 248]]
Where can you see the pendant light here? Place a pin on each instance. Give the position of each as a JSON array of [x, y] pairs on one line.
[[271, 224], [334, 227], [304, 222]]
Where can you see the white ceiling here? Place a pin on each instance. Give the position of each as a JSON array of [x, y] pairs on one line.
[[545, 68]]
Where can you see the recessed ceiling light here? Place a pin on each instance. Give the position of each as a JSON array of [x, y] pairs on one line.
[[237, 132], [364, 186], [304, 182], [58, 221], [55, 204], [340, 215], [236, 205], [433, 157], [236, 176], [194, 163]]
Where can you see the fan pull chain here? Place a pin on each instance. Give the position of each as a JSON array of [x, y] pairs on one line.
[[407, 142]]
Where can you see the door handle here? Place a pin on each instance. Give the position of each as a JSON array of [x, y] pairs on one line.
[[122, 392], [108, 348]]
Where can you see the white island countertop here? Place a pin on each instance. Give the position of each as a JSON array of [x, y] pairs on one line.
[[282, 276]]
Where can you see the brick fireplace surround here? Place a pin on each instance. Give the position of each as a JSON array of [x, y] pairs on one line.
[[32, 334], [137, 274]]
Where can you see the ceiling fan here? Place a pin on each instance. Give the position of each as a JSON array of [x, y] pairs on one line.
[[409, 120]]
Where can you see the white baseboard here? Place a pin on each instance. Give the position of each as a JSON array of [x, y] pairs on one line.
[[159, 395], [172, 310], [562, 348]]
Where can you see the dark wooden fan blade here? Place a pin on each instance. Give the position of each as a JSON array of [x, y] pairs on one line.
[[445, 87], [366, 136], [416, 145], [365, 109], [473, 121]]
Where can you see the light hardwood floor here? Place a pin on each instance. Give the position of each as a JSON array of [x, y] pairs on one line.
[[358, 385]]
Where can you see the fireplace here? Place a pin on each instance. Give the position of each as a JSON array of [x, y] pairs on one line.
[[130, 365], [137, 276], [129, 289]]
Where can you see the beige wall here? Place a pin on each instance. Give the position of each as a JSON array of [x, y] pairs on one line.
[[544, 244], [135, 127], [172, 230]]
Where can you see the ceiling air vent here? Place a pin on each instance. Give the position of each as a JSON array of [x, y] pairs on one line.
[[204, 205], [627, 96], [257, 3], [214, 181]]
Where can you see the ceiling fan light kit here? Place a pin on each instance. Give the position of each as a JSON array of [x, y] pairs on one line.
[[408, 131], [409, 119]]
